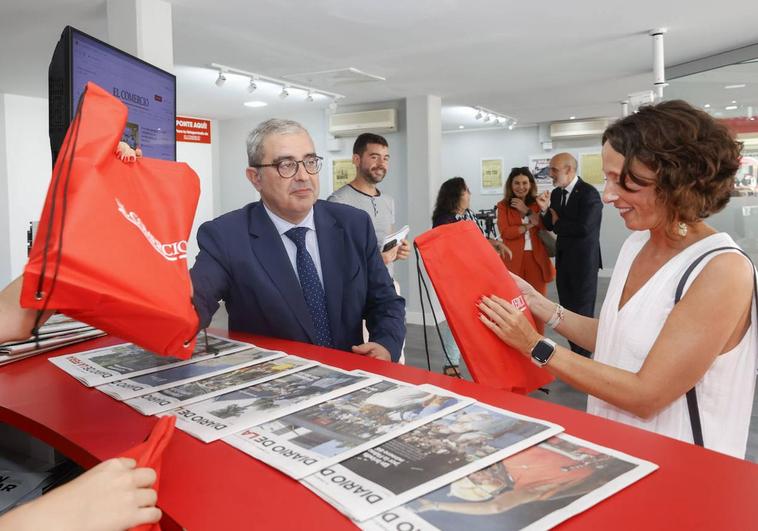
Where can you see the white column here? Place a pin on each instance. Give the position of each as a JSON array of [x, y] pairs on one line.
[[424, 141], [143, 28]]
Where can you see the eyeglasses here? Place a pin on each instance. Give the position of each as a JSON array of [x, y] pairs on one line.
[[287, 168]]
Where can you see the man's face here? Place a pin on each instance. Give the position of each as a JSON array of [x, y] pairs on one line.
[[291, 199], [372, 165], [560, 172]]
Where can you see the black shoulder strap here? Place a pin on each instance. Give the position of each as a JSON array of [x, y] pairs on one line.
[[697, 429]]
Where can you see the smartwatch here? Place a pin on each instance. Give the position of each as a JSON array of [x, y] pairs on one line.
[[543, 351]]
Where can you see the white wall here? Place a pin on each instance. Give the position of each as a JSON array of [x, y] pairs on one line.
[[463, 151], [200, 158], [26, 169]]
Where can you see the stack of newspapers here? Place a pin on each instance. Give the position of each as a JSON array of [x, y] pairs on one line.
[[388, 454], [23, 478], [58, 331]]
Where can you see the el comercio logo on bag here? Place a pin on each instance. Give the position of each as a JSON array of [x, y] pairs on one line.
[[170, 251]]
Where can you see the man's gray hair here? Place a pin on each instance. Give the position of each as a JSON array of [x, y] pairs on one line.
[[274, 126]]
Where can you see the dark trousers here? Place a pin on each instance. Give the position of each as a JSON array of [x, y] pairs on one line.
[[577, 295]]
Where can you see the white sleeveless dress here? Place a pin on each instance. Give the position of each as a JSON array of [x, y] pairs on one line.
[[624, 338]]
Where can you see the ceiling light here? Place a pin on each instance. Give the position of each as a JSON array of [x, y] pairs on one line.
[[707, 106], [255, 104], [734, 101], [572, 117], [730, 108], [252, 86], [309, 98], [460, 127], [284, 93], [511, 126], [221, 79], [738, 85]]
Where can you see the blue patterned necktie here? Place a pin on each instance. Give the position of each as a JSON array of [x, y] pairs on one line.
[[311, 286]]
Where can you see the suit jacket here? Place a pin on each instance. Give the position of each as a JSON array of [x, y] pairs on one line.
[[509, 225], [243, 262], [577, 253]]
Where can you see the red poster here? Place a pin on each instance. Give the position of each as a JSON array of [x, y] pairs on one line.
[[194, 130]]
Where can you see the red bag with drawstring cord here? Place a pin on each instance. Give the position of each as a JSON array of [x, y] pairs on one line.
[[463, 267], [111, 249], [150, 454]]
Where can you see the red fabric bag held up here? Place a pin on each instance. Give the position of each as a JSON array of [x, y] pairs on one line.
[[112, 241], [150, 454], [463, 267]]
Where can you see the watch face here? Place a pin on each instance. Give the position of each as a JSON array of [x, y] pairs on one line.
[[542, 352]]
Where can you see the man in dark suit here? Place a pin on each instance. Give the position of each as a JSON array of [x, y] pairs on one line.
[[574, 211], [295, 267]]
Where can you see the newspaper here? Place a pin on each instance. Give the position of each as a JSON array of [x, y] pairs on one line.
[[157, 381], [537, 488], [198, 390], [126, 360], [426, 458], [231, 412], [319, 436], [20, 351], [395, 238]]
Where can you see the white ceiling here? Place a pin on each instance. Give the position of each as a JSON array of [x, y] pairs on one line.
[[533, 61]]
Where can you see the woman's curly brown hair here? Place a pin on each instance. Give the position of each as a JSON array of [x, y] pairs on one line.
[[694, 157]]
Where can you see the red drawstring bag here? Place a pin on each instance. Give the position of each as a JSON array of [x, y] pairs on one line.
[[463, 267], [150, 453], [112, 241]]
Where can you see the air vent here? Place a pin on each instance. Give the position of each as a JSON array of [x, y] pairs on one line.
[[578, 128], [355, 123]]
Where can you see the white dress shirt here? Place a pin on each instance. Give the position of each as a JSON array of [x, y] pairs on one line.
[[311, 240]]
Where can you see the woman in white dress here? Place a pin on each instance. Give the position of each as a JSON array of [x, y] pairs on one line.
[[667, 168]]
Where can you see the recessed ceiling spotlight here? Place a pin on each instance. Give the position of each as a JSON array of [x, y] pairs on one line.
[[255, 104], [730, 108], [707, 106], [221, 79], [284, 93], [737, 86], [460, 127], [572, 117], [252, 86]]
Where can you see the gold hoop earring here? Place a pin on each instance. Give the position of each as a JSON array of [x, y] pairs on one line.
[[682, 229]]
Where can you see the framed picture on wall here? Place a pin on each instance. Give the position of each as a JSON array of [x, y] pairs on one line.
[[591, 169], [343, 171], [539, 165], [491, 178]]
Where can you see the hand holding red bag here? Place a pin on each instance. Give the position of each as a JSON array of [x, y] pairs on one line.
[[112, 241]]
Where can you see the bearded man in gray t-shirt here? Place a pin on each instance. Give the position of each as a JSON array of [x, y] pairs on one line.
[[371, 158]]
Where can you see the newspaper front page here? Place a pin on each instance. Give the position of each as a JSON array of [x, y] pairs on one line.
[[198, 390], [537, 488], [313, 438], [426, 458], [108, 364], [157, 381], [231, 412]]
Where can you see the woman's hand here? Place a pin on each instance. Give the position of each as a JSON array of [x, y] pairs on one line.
[[519, 205], [508, 323], [126, 154]]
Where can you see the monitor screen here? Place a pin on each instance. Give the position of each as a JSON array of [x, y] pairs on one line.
[[148, 92]]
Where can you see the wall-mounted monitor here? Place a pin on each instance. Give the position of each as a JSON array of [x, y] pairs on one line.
[[148, 92]]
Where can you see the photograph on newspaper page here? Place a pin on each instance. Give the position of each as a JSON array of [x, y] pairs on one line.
[[198, 390], [108, 364], [426, 458], [313, 438], [537, 488], [231, 412], [157, 381]]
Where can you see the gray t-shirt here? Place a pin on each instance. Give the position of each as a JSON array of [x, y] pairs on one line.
[[380, 208]]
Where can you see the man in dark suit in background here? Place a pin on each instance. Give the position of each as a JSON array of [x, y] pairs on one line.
[[295, 267], [574, 211]]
